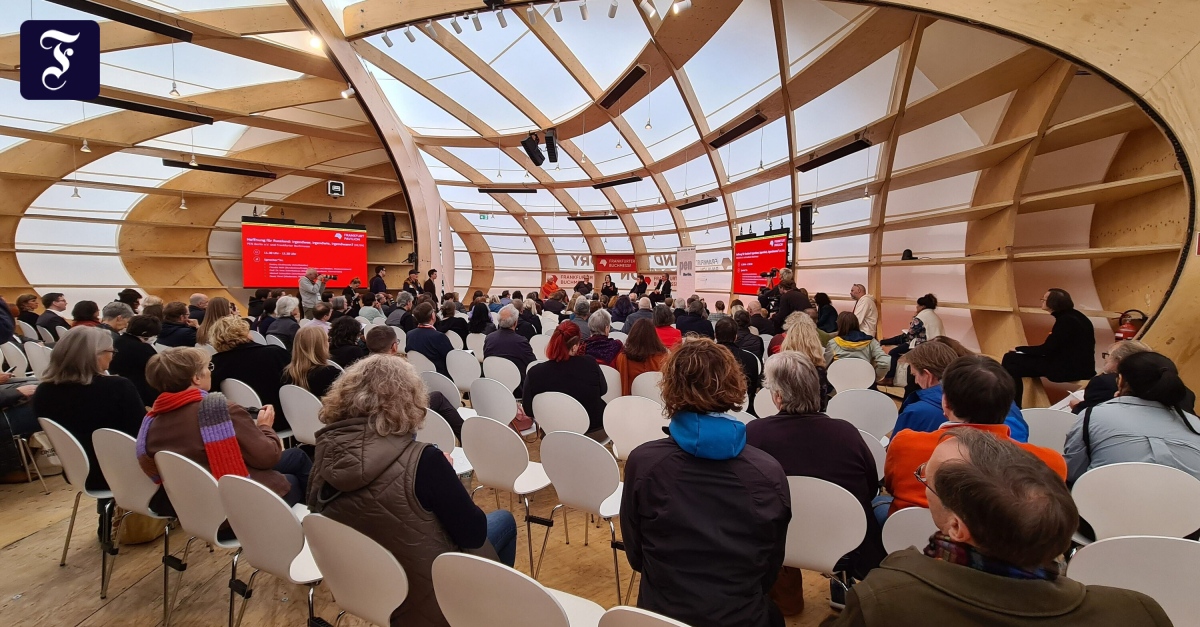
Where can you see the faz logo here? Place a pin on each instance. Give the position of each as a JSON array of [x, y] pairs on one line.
[[60, 60]]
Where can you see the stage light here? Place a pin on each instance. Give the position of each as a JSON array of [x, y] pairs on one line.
[[612, 10], [557, 11], [475, 21], [648, 7], [500, 17], [85, 147], [680, 6], [174, 93], [315, 42], [408, 33], [348, 91], [387, 40], [531, 14], [583, 10], [455, 24]]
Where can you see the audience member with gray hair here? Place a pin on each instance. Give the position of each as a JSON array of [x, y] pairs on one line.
[[693, 320], [507, 343], [115, 317], [1103, 387], [287, 320], [450, 322], [644, 312], [402, 316], [197, 304], [338, 304], [605, 349], [582, 310]]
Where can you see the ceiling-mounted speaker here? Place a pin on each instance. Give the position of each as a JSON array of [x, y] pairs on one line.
[[806, 222], [552, 144], [834, 155], [742, 128], [530, 144], [623, 86], [389, 227]]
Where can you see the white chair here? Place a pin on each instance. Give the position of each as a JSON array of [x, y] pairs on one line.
[[365, 578], [437, 431], [764, 404], [1049, 427], [435, 382], [208, 348], [273, 340], [617, 326], [463, 368], [159, 348], [532, 364], [477, 592], [301, 408], [910, 526], [362, 320], [830, 524], [851, 374], [612, 379], [330, 362], [17, 363], [877, 450], [502, 370], [475, 344], [455, 340], [870, 411], [555, 411], [1138, 499], [625, 616], [501, 462], [539, 343], [193, 493], [766, 339], [420, 362], [75, 470], [27, 330], [586, 478], [1164, 569], [549, 323], [240, 393], [618, 335], [271, 537], [39, 358], [632, 421], [258, 337], [46, 336], [646, 386], [490, 398], [401, 339], [305, 322], [742, 417]]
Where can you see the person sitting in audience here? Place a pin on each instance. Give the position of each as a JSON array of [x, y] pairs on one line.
[[854, 344], [922, 410], [115, 317], [259, 366], [213, 431], [310, 367], [976, 394], [804, 338], [480, 320], [726, 335], [599, 345], [663, 319], [197, 306], [826, 314], [339, 307], [321, 314], [345, 341], [254, 308], [153, 306], [925, 324], [622, 309], [177, 328], [263, 322], [402, 316], [570, 371], [746, 339], [426, 340], [370, 472], [644, 312], [133, 352], [381, 340], [1003, 521], [287, 320], [643, 352], [792, 320], [130, 297], [554, 301], [582, 310], [530, 316], [761, 323], [371, 309], [1103, 387], [718, 314], [702, 502], [808, 443], [217, 308], [54, 318], [1068, 354], [19, 420], [27, 307], [450, 321], [692, 321], [85, 313], [509, 344], [1143, 423], [525, 328]]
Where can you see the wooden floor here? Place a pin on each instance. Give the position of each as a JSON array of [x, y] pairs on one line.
[[34, 590]]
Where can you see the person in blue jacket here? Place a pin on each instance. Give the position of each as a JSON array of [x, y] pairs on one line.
[[922, 410]]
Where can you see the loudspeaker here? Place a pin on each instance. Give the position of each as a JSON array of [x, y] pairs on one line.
[[552, 144], [530, 144], [806, 216], [906, 255], [389, 227]]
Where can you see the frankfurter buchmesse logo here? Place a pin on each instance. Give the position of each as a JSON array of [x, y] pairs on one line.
[[60, 60]]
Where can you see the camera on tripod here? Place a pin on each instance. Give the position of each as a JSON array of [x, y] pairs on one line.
[[770, 275]]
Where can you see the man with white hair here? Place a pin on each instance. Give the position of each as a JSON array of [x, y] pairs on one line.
[[311, 286], [507, 343], [197, 304], [287, 320], [758, 320], [864, 309], [645, 311], [583, 309], [402, 316]]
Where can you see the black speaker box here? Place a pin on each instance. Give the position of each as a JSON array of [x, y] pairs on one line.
[[806, 216], [389, 227]]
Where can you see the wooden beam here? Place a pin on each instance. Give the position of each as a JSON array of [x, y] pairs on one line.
[[1112, 121], [1112, 191], [1108, 252], [972, 160]]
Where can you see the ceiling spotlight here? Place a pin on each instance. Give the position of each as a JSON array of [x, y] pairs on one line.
[[680, 6], [612, 10], [531, 14], [500, 18], [315, 42], [408, 33], [192, 161], [648, 125], [454, 23], [557, 11], [429, 29], [75, 194], [182, 203], [475, 21], [387, 40], [348, 91], [583, 10], [760, 165], [85, 147], [619, 142], [174, 93], [648, 7]]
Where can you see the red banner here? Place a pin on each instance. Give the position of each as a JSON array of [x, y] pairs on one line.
[[615, 263]]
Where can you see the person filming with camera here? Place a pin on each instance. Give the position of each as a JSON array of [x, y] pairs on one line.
[[311, 286]]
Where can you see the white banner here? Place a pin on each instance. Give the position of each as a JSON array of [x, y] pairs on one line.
[[686, 260]]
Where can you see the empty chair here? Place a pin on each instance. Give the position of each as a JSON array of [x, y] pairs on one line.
[[851, 374], [586, 478], [365, 578], [1135, 498], [271, 537], [646, 385], [455, 340], [632, 421], [1049, 427], [539, 343], [46, 336], [420, 362], [490, 398], [502, 370], [257, 337], [625, 616], [828, 525], [435, 382], [463, 369], [27, 329], [1161, 568], [877, 450], [556, 411], [475, 344], [273, 340], [17, 363], [302, 409], [617, 335], [910, 526], [871, 411], [549, 322], [764, 404], [501, 462], [437, 431], [477, 592], [39, 358], [612, 378]]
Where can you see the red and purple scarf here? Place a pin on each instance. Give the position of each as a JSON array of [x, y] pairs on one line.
[[216, 429]]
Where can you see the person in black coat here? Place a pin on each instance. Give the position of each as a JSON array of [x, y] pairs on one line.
[[1103, 387], [662, 290], [693, 320], [430, 286], [52, 319], [791, 300], [506, 342], [345, 346], [570, 371], [529, 316], [425, 339], [133, 353], [254, 308], [287, 321], [377, 284], [826, 314], [451, 322], [726, 335], [259, 366], [27, 310], [608, 289], [177, 328], [746, 340], [1068, 354]]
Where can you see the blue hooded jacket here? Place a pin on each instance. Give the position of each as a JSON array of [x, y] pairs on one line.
[[708, 436], [922, 411]]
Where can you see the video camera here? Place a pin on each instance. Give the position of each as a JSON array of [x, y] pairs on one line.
[[770, 275]]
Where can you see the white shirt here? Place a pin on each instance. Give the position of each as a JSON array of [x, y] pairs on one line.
[[867, 314]]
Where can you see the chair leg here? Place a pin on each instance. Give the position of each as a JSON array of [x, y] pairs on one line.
[[586, 526], [548, 522], [29, 462], [106, 577], [616, 564], [70, 527], [244, 590], [566, 527], [629, 591], [338, 621], [106, 546], [170, 562], [312, 590]]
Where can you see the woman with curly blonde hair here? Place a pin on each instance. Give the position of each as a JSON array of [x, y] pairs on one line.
[[705, 472], [371, 474], [803, 338]]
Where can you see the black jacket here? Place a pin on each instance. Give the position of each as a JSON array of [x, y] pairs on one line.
[[749, 369], [196, 313], [1069, 352], [346, 354], [254, 308], [431, 344], [258, 366], [30, 318], [608, 291], [377, 285], [789, 303], [696, 324], [664, 288], [456, 324], [176, 334], [553, 305], [52, 321], [431, 288], [750, 342], [578, 377], [827, 319], [402, 318], [510, 345], [583, 287], [107, 403], [130, 362], [285, 329], [319, 379], [764, 325], [532, 320]]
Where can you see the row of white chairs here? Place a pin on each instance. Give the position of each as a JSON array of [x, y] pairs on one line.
[[33, 361]]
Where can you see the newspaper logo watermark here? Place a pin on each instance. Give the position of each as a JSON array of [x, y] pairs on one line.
[[60, 60]]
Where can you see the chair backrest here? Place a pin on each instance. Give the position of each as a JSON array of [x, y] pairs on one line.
[[116, 453], [463, 369], [27, 330], [330, 362], [625, 616], [208, 348], [490, 398], [646, 386], [477, 592], [273, 340], [502, 370], [742, 416], [70, 452], [531, 365], [17, 363], [764, 404], [420, 362], [632, 421], [455, 340], [910, 526], [583, 472], [301, 408], [269, 531], [475, 343], [437, 382], [362, 320], [766, 339], [193, 493], [1049, 427], [39, 358], [159, 348], [871, 411], [612, 378], [1164, 569], [549, 323], [436, 431], [539, 343], [365, 578], [401, 338], [47, 337], [240, 393], [876, 446], [305, 322], [618, 335], [496, 451], [830, 524], [1135, 498], [257, 337], [555, 411], [851, 374]]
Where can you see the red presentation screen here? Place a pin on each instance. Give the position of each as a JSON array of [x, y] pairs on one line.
[[276, 253], [753, 256]]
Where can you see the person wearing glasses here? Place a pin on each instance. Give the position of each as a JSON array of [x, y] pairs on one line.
[[1068, 354], [55, 316], [976, 394]]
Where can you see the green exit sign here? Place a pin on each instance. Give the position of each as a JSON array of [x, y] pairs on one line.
[[483, 216]]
